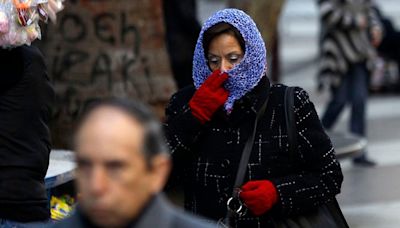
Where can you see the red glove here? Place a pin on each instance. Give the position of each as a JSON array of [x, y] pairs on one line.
[[259, 196], [209, 97]]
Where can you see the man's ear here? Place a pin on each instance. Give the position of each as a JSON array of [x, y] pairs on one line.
[[160, 169]]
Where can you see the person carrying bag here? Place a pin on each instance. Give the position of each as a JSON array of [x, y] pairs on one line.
[[328, 215], [232, 105]]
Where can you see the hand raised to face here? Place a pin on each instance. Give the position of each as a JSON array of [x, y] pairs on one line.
[[209, 97]]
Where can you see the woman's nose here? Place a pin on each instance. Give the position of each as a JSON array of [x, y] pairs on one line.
[[225, 65]]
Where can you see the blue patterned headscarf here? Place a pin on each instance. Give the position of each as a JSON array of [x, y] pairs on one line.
[[244, 76]]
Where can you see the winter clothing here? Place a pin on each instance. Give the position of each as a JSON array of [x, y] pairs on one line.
[[159, 213], [209, 97], [207, 155], [244, 76], [344, 40], [26, 97], [259, 196], [181, 32]]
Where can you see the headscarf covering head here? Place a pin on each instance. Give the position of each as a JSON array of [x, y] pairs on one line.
[[244, 76]]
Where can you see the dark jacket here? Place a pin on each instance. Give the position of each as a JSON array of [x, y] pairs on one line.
[[159, 214], [26, 97], [343, 41], [182, 30], [207, 156]]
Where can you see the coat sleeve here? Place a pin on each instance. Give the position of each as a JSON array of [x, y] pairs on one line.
[[181, 127], [181, 130], [318, 177]]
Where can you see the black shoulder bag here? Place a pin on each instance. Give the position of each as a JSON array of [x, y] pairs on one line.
[[328, 215]]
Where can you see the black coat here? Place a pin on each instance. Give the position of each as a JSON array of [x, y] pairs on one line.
[[207, 156], [26, 99]]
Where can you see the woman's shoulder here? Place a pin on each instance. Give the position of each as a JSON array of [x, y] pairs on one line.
[[185, 92], [280, 89], [278, 93], [182, 96]]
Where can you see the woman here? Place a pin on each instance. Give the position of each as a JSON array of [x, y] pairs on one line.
[[208, 124]]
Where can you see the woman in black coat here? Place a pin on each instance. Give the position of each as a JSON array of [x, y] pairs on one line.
[[208, 124]]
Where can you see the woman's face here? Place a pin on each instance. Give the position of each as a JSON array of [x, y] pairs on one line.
[[224, 53]]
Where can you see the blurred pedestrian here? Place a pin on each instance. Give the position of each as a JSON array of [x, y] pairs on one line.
[[208, 124], [181, 33], [123, 164], [390, 45], [26, 99], [350, 32], [389, 48]]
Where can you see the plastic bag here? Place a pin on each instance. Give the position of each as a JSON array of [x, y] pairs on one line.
[[19, 20]]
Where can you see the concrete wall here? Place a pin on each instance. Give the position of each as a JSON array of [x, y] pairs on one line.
[[101, 48]]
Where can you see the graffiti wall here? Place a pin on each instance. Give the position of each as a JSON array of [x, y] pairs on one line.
[[102, 48]]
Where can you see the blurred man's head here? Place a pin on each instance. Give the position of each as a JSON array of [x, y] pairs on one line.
[[122, 161]]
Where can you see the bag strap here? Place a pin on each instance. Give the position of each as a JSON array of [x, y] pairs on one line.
[[248, 147], [242, 170], [290, 121], [333, 205]]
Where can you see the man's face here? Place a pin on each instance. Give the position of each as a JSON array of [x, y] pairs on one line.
[[114, 181]]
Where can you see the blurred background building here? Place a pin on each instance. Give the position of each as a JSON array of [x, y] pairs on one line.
[[106, 48]]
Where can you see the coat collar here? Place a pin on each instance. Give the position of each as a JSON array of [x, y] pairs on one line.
[[159, 209], [248, 105]]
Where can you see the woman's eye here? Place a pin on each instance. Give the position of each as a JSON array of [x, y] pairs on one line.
[[213, 61], [234, 58]]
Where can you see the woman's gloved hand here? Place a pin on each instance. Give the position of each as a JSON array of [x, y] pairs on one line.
[[259, 196], [210, 96]]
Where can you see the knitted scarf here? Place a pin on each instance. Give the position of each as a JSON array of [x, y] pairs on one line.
[[245, 75]]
